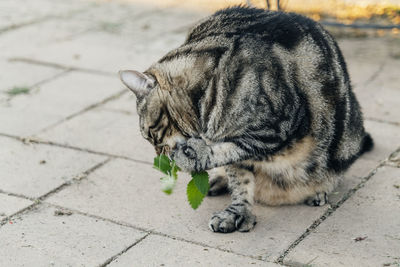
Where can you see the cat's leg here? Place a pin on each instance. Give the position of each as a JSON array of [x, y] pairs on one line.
[[238, 215], [319, 199], [218, 182]]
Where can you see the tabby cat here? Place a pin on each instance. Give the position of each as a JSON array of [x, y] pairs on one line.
[[261, 97]]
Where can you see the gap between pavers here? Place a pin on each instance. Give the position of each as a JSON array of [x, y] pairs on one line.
[[162, 251], [43, 237], [361, 232], [10, 205], [34, 170], [130, 193], [19, 74], [25, 115], [104, 131]]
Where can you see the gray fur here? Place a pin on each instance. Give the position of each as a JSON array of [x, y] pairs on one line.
[[264, 95]]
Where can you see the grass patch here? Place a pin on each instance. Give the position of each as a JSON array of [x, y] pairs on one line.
[[18, 90]]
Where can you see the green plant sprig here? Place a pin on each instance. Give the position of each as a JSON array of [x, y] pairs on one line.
[[197, 188]]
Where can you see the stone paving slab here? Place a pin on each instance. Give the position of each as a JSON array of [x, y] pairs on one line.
[[26, 11], [105, 131], [386, 139], [18, 74], [138, 35], [11, 204], [372, 213], [172, 252], [34, 170], [382, 95], [130, 192], [54, 101], [40, 238], [125, 104], [375, 83]]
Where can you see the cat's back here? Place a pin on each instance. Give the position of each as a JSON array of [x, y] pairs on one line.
[[271, 27]]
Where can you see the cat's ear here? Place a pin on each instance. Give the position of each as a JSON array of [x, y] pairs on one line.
[[137, 82]]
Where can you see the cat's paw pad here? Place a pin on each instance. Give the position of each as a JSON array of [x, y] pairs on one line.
[[319, 199], [227, 222], [218, 186]]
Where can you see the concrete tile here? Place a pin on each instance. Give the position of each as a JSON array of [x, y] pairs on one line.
[[130, 192], [352, 177], [28, 114], [380, 98], [10, 205], [103, 39], [25, 11], [172, 252], [376, 82], [39, 238], [386, 139], [23, 75], [106, 131], [372, 213], [33, 170], [125, 104]]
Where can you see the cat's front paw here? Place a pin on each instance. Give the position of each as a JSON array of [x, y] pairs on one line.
[[192, 155], [227, 221]]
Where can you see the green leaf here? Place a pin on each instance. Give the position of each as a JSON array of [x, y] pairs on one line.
[[195, 197], [162, 164], [168, 184], [201, 181]]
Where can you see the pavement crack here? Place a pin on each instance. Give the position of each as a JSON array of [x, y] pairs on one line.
[[152, 231], [108, 261], [28, 140], [75, 179], [41, 19], [60, 66], [93, 106], [329, 212], [382, 121], [375, 74]]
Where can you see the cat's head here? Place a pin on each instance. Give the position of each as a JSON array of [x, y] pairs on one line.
[[156, 125]]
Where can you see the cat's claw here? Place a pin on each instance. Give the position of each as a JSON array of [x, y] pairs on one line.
[[227, 222], [319, 199]]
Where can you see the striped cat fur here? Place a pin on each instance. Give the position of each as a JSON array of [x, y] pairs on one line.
[[260, 98]]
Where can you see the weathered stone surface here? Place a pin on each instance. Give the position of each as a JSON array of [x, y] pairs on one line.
[[172, 252], [34, 170], [52, 102], [386, 139], [370, 216], [375, 82], [380, 98], [14, 13], [18, 74], [125, 104], [130, 192], [85, 39], [10, 205], [106, 131], [40, 238]]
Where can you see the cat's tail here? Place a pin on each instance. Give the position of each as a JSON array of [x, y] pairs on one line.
[[367, 144]]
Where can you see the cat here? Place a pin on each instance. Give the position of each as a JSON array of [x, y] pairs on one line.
[[262, 99]]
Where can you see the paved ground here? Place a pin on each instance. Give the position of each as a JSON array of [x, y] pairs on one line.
[[76, 183]]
